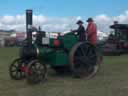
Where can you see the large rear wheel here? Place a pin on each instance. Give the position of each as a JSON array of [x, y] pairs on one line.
[[83, 60]]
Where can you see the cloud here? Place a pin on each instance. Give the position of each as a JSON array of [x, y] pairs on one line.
[[47, 23], [59, 24], [103, 21]]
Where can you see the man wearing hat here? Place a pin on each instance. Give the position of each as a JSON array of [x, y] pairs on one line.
[[91, 31], [80, 31]]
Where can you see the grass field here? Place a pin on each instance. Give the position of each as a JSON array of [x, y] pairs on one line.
[[112, 80]]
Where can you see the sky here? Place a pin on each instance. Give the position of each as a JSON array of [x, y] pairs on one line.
[[61, 15]]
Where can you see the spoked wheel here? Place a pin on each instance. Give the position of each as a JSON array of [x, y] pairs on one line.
[[15, 69], [83, 60], [36, 72]]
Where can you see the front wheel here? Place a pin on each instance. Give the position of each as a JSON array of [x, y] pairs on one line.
[[15, 69], [36, 72]]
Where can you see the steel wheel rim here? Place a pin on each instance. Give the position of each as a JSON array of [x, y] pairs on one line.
[[35, 72], [15, 71], [74, 68]]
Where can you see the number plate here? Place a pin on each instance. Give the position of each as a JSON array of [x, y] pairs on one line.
[[45, 41]]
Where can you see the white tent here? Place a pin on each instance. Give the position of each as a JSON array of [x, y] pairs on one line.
[[102, 35]]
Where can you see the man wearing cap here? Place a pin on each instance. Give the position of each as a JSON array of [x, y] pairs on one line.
[[80, 31], [91, 31]]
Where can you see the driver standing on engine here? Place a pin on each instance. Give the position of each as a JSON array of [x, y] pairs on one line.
[[91, 31], [80, 31]]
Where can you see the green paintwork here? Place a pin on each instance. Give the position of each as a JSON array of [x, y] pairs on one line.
[[57, 57], [51, 42], [42, 53], [68, 40], [52, 57]]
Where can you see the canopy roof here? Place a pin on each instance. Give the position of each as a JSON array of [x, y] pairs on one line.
[[119, 26]]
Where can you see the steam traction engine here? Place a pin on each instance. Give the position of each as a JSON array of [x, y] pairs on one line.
[[63, 54], [117, 43]]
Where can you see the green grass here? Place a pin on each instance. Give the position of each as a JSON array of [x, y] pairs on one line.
[[112, 80]]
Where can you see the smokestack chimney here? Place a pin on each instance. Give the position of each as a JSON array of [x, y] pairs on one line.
[[29, 26], [115, 22]]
